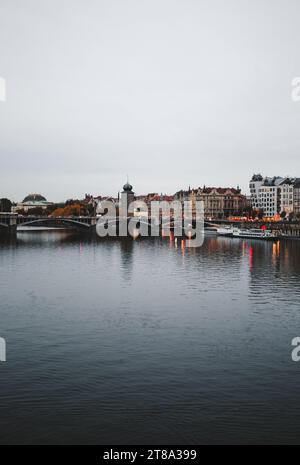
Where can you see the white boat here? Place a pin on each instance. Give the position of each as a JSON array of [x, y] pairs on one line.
[[225, 231], [254, 234], [210, 231]]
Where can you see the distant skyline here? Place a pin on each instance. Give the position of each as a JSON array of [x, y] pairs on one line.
[[171, 92]]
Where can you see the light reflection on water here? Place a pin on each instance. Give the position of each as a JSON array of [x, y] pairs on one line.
[[148, 341]]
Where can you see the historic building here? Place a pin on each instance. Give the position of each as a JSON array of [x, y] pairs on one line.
[[32, 201], [286, 196], [127, 196], [219, 202], [296, 197], [154, 197]]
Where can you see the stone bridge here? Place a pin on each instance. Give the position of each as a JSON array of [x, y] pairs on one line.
[[9, 223]]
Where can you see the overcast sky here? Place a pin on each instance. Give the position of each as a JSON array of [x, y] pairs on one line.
[[172, 92]]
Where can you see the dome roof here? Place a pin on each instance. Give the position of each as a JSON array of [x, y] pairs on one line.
[[127, 187], [34, 198]]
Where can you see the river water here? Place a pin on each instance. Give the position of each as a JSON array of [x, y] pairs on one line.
[[148, 342]]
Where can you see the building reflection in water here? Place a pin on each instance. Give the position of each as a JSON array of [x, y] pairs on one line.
[[182, 247], [264, 260], [126, 250], [275, 252], [251, 258], [273, 266], [49, 238]]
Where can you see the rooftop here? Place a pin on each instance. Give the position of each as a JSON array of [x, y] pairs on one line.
[[34, 198]]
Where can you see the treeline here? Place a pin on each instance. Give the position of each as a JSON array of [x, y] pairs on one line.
[[5, 205], [74, 208]]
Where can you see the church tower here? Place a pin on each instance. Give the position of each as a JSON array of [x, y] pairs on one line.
[[127, 196]]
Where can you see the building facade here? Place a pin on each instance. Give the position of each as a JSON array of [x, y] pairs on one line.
[[286, 196], [255, 185], [32, 201], [273, 196], [296, 198], [219, 202]]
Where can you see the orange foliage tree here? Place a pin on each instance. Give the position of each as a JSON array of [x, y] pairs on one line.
[[75, 209]]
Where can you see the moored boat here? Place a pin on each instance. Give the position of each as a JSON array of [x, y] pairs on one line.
[[264, 234], [225, 231]]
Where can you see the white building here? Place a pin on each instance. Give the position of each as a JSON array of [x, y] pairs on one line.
[[272, 195], [286, 196], [255, 185]]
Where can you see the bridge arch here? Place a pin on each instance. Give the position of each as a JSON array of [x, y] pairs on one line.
[[56, 222]]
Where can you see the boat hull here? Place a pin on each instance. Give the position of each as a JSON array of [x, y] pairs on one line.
[[259, 236]]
